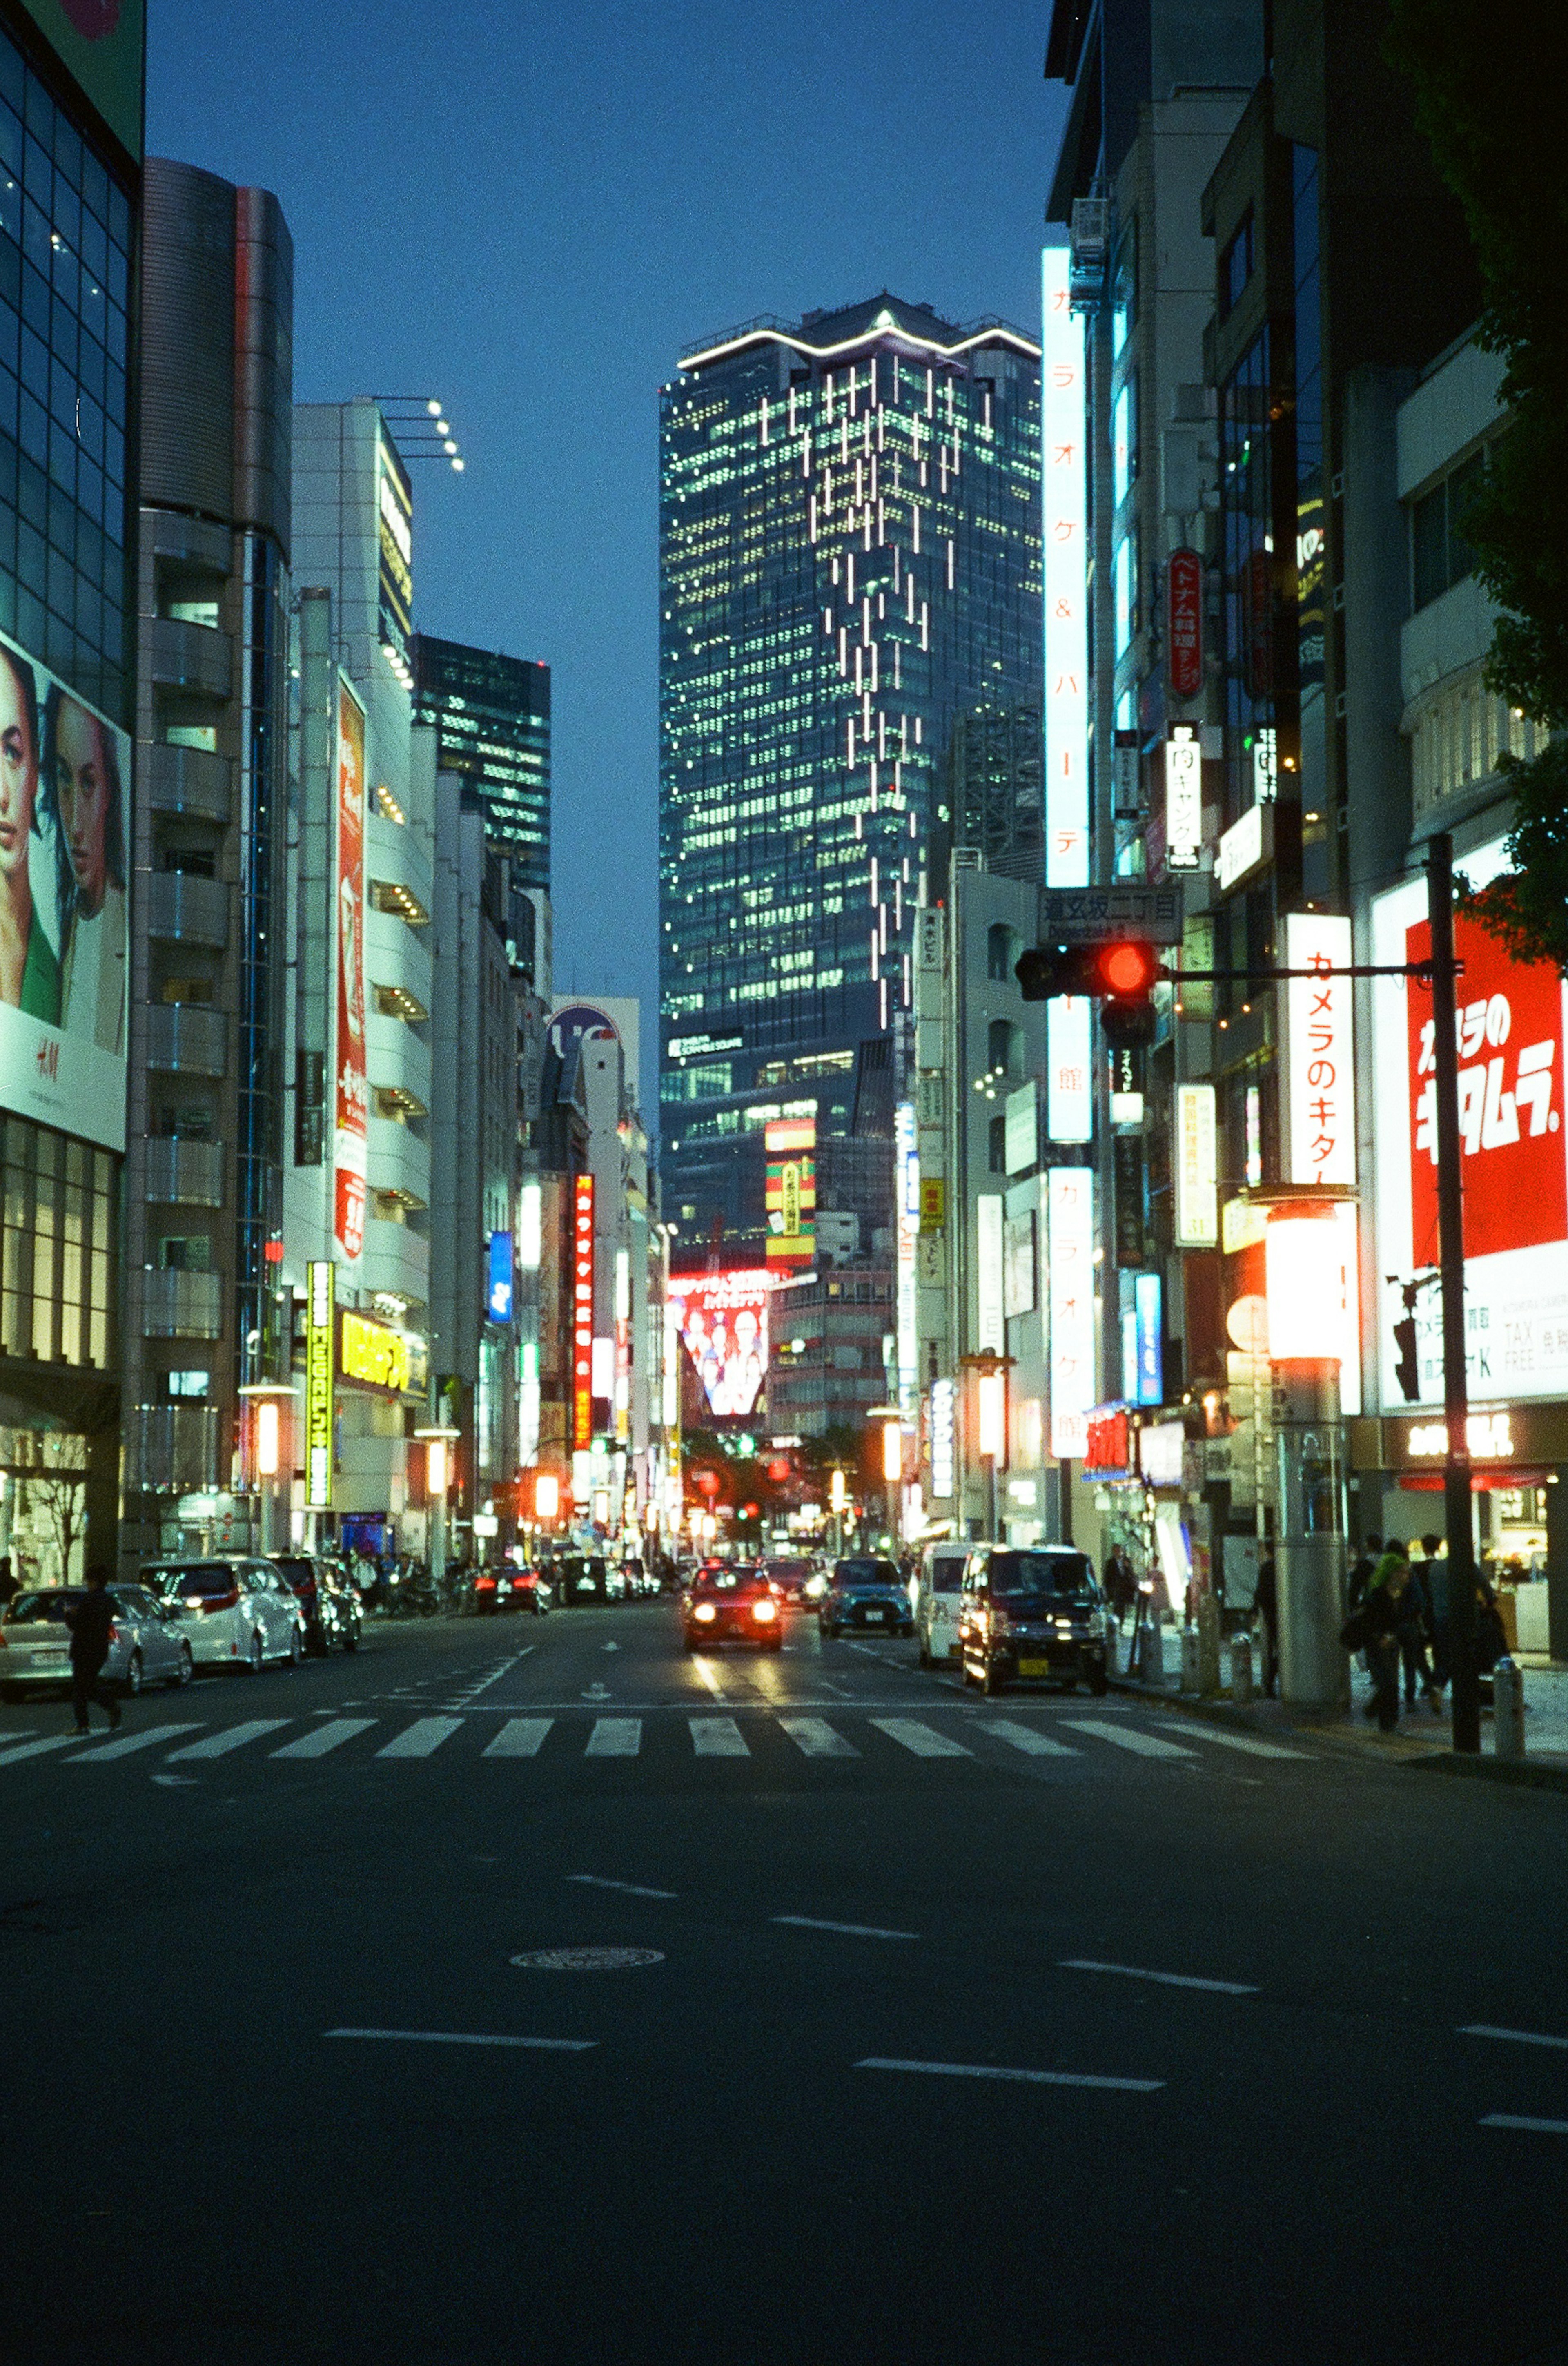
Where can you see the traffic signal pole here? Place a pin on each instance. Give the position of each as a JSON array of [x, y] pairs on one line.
[[1466, 1682]]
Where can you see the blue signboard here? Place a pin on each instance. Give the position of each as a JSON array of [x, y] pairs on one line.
[[499, 1303], [1151, 1339]]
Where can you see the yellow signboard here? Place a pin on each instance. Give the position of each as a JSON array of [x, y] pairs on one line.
[[932, 1203], [318, 1302], [370, 1352]]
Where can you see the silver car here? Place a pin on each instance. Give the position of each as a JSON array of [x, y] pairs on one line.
[[148, 1645], [234, 1610]]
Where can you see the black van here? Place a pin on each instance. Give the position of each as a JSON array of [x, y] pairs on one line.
[[1032, 1611]]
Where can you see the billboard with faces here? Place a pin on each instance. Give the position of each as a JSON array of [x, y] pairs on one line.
[[64, 800]]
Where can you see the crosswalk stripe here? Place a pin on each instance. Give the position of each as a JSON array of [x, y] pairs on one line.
[[520, 1737], [417, 1741], [37, 1749], [718, 1737], [817, 1738], [1235, 1741], [233, 1737], [326, 1737], [614, 1737], [148, 1740], [1025, 1737], [924, 1740], [1126, 1737]]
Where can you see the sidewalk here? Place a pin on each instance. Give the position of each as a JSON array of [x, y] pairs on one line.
[[1421, 1738]]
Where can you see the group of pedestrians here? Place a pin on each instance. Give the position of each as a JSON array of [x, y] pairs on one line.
[[1399, 1617]]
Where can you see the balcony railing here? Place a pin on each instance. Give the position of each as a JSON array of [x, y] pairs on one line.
[[182, 1305], [191, 657], [185, 1038], [185, 1174], [192, 910], [173, 1448], [188, 781]]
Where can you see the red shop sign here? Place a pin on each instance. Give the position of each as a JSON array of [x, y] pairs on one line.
[[1184, 623]]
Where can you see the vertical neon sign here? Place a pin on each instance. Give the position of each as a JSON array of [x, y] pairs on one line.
[[582, 1315], [1065, 525]]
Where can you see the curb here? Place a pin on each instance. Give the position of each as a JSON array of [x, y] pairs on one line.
[[1517, 1771], [1405, 1751]]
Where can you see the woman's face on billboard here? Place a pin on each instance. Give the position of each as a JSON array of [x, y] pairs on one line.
[[80, 780], [18, 775]]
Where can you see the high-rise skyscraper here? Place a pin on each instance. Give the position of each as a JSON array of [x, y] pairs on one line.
[[849, 560], [491, 717]]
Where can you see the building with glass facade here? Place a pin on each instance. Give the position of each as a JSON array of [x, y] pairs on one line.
[[849, 560], [491, 718], [70, 116]]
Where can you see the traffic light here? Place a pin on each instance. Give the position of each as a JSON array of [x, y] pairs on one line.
[[1405, 1368], [1119, 973]]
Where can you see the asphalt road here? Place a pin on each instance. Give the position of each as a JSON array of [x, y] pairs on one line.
[[1048, 2029]]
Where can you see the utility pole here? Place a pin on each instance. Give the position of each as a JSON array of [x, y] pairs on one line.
[[1450, 1261]]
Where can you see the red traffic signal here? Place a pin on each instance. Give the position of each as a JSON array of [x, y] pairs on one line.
[[1118, 974], [1128, 968]]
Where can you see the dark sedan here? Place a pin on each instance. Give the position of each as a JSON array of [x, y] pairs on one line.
[[731, 1602], [865, 1592], [1035, 1613]]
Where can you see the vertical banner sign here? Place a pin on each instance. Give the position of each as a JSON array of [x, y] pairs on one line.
[[1065, 600], [908, 1160], [499, 1295], [1070, 1100], [990, 1323], [942, 1400], [1197, 1168], [1151, 1339], [1184, 799], [320, 1295], [582, 1315], [791, 1143], [1184, 623], [353, 1097], [1070, 1233], [1320, 1080]]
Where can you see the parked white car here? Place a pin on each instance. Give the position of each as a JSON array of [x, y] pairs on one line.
[[936, 1596], [236, 1613], [147, 1642]]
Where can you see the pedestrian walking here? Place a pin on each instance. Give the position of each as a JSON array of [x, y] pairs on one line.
[[1376, 1626], [1415, 1632], [1361, 1573], [7, 1582], [1121, 1586], [1266, 1602], [89, 1621]]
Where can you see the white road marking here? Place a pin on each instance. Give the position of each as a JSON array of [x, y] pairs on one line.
[[325, 1738], [1515, 2036], [233, 1737], [718, 1737], [1031, 2077], [1161, 1979], [1230, 1741], [631, 1888], [418, 1740], [850, 1930], [612, 1647], [463, 2037], [1024, 1737], [171, 1779], [1532, 2127], [129, 1741], [1142, 1745], [520, 1737], [817, 1738], [496, 1673], [614, 1737], [709, 1675], [924, 1740], [37, 1749]]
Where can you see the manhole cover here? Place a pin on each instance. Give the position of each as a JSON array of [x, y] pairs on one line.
[[586, 1959]]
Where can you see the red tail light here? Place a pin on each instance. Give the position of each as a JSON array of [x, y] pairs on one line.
[[484, 1586], [528, 1579], [207, 1603], [115, 1633]]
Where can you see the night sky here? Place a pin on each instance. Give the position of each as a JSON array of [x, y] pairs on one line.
[[530, 211]]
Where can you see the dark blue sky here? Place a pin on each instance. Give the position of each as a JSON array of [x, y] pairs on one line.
[[530, 210]]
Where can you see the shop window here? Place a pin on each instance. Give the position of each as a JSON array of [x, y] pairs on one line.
[[186, 1252], [189, 1384], [1440, 555]]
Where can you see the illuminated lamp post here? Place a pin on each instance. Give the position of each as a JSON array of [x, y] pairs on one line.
[[266, 1400], [836, 1500], [437, 1440], [1309, 1284], [990, 1371]]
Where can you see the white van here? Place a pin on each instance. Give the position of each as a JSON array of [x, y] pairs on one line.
[[936, 1586]]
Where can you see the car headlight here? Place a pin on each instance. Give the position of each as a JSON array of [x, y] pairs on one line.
[[705, 1613], [764, 1610]]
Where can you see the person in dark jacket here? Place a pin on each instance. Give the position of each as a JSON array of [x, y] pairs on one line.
[[1385, 1613], [1266, 1602], [89, 1621], [1360, 1574]]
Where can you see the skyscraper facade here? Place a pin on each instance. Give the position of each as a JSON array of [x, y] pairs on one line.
[[849, 560], [491, 718]]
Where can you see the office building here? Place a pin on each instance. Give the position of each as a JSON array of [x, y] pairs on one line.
[[70, 208], [850, 560], [206, 1324], [491, 718]]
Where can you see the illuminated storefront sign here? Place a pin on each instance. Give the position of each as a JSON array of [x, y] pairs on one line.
[[498, 1294], [1069, 1202], [372, 1352], [908, 1163], [991, 1321], [1320, 1079], [723, 1325], [352, 1093], [943, 1398], [1244, 848], [1070, 1100], [582, 1313], [791, 1145], [1066, 559], [1184, 623], [1184, 799], [1487, 1434], [318, 1303], [1512, 1140], [395, 570], [531, 1227], [1197, 1168], [1150, 1336]]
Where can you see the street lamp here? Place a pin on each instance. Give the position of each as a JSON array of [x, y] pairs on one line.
[[990, 1369], [436, 1440], [267, 1398]]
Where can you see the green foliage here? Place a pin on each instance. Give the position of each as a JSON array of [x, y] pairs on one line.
[[1526, 908]]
